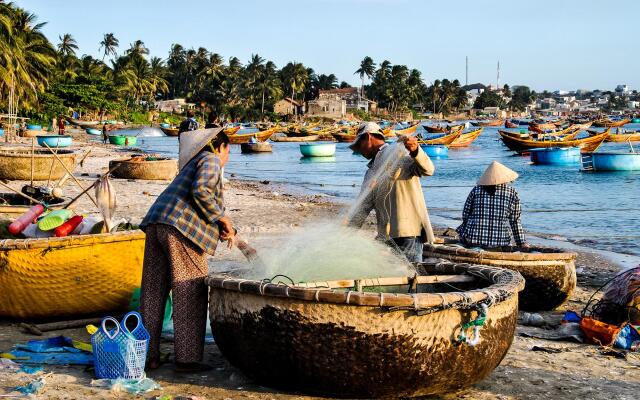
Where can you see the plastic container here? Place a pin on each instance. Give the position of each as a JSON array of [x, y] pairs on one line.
[[25, 219], [69, 226], [33, 127], [54, 219]]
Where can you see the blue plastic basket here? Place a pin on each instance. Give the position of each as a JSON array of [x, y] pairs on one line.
[[120, 352]]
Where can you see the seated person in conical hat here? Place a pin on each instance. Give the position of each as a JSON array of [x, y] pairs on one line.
[[491, 214]]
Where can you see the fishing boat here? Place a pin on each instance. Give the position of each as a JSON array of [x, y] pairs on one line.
[[435, 150], [436, 128], [258, 147], [607, 123], [231, 130], [170, 131], [444, 139], [344, 137], [611, 161], [635, 120], [144, 167], [510, 125], [93, 131], [542, 127], [466, 138], [520, 121], [69, 276], [54, 141], [523, 145], [16, 163], [495, 122], [311, 138], [556, 156], [621, 137], [318, 149], [122, 140], [239, 138], [344, 338], [398, 132], [81, 124], [165, 125], [550, 274]]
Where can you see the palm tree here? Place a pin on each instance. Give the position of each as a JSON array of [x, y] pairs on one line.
[[109, 44], [67, 46], [269, 84], [295, 77], [367, 68], [327, 82], [137, 48]]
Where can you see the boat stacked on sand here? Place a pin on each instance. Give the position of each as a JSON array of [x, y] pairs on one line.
[[369, 338]]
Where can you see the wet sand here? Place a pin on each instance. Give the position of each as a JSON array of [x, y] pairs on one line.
[[260, 210]]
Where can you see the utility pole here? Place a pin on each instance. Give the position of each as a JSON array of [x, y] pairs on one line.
[[498, 77], [466, 71]]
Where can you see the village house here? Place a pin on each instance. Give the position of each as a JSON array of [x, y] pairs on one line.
[[351, 95], [177, 106], [327, 105], [288, 106]]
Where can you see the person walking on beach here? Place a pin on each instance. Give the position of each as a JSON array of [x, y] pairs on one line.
[[491, 214], [61, 126], [189, 124], [105, 133], [401, 212], [184, 225]]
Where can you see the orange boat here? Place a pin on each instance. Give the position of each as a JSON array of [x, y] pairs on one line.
[[495, 122], [436, 128], [240, 138], [388, 132], [510, 125], [444, 140], [344, 137], [541, 127], [465, 139], [620, 137], [232, 130], [520, 145], [607, 123]]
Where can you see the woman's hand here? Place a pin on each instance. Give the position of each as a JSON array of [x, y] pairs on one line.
[[226, 227]]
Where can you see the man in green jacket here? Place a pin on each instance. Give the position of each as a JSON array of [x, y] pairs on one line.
[[392, 187]]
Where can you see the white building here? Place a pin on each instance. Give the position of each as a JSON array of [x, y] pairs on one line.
[[624, 89]]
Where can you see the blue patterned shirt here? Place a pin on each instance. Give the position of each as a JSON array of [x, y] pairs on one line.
[[193, 202]]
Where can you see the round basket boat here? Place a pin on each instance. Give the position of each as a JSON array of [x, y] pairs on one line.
[[69, 276], [32, 133], [121, 140], [318, 149], [550, 274], [141, 168], [55, 140], [258, 147], [15, 164], [336, 339]]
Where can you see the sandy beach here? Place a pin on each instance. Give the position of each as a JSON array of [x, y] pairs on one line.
[[532, 369]]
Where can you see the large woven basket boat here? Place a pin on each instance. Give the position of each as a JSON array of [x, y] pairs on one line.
[[550, 274], [333, 338], [140, 168], [69, 276], [15, 164]]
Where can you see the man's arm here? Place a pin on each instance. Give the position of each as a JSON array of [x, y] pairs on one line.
[[422, 163]]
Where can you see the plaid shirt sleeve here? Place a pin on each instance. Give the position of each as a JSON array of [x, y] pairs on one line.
[[514, 220], [206, 189]]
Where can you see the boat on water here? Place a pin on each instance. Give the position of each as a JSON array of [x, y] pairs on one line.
[[607, 123], [620, 136], [318, 149], [231, 130], [611, 161], [635, 120], [311, 138], [542, 127], [494, 122], [348, 338], [70, 276], [445, 139], [170, 131], [345, 137], [556, 156], [520, 145], [389, 132], [257, 147], [510, 125], [261, 136], [466, 138], [436, 128], [435, 150]]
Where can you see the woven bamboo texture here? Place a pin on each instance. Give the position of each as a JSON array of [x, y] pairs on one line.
[[69, 276], [550, 274], [148, 170], [15, 164], [313, 340]]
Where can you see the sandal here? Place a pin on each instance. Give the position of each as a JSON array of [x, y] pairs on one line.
[[192, 367]]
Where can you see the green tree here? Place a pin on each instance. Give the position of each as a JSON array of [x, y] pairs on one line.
[[67, 46], [295, 77], [488, 98], [367, 68], [521, 98], [506, 91], [108, 45]]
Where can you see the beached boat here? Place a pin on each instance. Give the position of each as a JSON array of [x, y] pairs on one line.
[[122, 140], [346, 339], [239, 138], [170, 131], [93, 131], [81, 124], [69, 276], [556, 156], [15, 164], [611, 161], [550, 274], [143, 167], [311, 138], [510, 125], [435, 150], [607, 123], [444, 139], [466, 138], [31, 133], [317, 149], [258, 147], [495, 122], [54, 141], [519, 145]]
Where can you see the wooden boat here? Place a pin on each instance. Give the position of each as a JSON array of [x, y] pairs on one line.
[[550, 274], [302, 130], [611, 161], [406, 131], [622, 137], [143, 167], [170, 131], [69, 276], [311, 138], [541, 127], [510, 125], [15, 164], [443, 140], [495, 122], [555, 156], [607, 123], [436, 128], [232, 130], [239, 138], [522, 145], [82, 124], [465, 139], [340, 339], [259, 147], [32, 133], [344, 137]]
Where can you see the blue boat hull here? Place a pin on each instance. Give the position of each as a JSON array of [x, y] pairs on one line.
[[92, 131], [54, 141], [318, 149], [556, 156], [435, 151], [31, 127], [615, 161]]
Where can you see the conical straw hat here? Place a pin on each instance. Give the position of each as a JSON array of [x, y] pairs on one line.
[[497, 174], [191, 142]]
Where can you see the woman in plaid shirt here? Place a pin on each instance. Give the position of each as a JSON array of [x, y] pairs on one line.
[[491, 214]]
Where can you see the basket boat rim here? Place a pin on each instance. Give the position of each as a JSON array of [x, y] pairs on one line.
[[544, 253], [504, 284], [69, 241]]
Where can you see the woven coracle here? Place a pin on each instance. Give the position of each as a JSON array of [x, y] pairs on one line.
[[550, 274], [15, 164], [332, 338], [162, 169], [69, 276]]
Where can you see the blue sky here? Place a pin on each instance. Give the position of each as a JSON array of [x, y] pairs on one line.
[[544, 44]]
